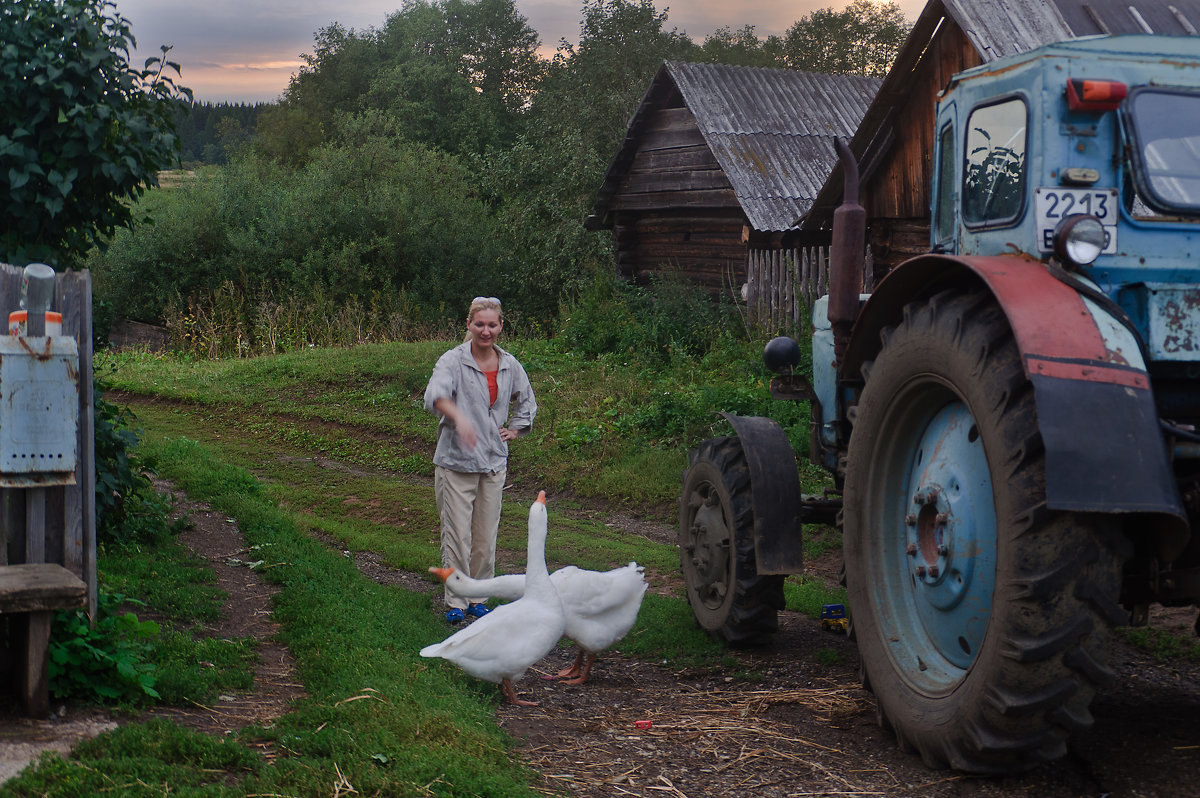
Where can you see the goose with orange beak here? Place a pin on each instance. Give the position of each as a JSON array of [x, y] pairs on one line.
[[502, 645]]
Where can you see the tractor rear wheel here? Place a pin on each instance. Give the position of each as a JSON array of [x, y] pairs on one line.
[[982, 618], [716, 543]]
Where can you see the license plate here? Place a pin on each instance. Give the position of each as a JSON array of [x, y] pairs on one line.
[[1053, 204]]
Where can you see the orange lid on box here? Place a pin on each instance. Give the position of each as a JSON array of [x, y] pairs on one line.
[[23, 315]]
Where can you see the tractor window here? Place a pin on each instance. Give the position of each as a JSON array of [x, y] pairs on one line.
[[1165, 128], [944, 228], [994, 174]]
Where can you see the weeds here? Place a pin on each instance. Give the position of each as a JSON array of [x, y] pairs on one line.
[[827, 656], [229, 323], [110, 660], [128, 509]]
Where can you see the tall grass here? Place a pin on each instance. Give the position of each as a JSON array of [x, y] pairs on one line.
[[229, 323]]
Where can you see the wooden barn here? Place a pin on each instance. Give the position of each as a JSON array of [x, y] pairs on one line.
[[894, 141], [719, 161]]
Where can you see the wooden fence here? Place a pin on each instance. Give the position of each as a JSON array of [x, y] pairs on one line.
[[48, 532], [782, 284]]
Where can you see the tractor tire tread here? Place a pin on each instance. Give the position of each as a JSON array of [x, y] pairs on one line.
[[1056, 605]]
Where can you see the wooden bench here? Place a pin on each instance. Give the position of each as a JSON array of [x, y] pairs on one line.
[[32, 592]]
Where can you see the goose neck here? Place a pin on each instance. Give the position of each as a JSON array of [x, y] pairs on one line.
[[535, 556]]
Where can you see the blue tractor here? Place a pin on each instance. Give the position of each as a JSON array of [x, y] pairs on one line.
[[1012, 421]]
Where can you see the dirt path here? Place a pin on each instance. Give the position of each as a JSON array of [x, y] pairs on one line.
[[788, 720]]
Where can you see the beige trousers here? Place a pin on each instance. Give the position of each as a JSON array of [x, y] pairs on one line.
[[469, 506]]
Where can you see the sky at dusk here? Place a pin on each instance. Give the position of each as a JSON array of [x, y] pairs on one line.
[[246, 50]]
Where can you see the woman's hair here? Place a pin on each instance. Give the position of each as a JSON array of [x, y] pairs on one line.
[[482, 303]]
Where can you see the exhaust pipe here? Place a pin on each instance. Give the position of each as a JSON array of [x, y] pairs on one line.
[[846, 254]]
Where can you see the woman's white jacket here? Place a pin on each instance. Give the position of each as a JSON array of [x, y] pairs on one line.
[[457, 377]]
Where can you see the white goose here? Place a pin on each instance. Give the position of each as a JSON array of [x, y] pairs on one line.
[[601, 606], [500, 646]]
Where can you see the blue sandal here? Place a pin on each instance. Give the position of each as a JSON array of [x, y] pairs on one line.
[[455, 615], [477, 610]]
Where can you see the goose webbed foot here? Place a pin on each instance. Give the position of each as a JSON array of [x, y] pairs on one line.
[[510, 695], [582, 673]]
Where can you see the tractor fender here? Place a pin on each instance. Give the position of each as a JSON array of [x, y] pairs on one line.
[[775, 494], [1105, 451]]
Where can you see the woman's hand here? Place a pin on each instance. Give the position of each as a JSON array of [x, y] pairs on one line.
[[466, 432], [507, 434], [462, 425]]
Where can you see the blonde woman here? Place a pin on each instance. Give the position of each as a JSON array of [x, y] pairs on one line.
[[484, 399]]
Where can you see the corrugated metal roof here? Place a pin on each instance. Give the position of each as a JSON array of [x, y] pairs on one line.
[[771, 131], [1006, 27]]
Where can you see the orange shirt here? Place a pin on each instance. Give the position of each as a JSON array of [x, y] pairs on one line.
[[492, 389]]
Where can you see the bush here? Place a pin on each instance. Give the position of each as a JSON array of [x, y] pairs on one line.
[[128, 508], [664, 318], [375, 216], [106, 661]]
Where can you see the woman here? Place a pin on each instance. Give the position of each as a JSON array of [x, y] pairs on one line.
[[485, 400]]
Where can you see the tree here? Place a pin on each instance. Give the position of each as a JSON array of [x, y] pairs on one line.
[[863, 39], [81, 131], [337, 73], [461, 72], [495, 49], [592, 88], [543, 186], [208, 131], [743, 48]]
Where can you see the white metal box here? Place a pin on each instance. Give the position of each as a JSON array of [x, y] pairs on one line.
[[39, 410]]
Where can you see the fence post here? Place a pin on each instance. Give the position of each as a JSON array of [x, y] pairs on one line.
[[74, 296], [773, 294], [751, 285], [806, 274]]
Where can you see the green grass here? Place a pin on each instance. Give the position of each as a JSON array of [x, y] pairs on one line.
[[420, 723], [608, 429], [806, 594], [819, 540], [169, 578], [1161, 644], [323, 447]]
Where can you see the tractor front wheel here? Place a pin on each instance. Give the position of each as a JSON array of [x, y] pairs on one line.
[[716, 542]]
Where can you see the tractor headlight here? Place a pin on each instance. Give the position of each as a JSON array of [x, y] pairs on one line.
[[781, 355], [1079, 239]]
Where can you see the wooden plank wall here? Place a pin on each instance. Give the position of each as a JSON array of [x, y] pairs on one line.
[[675, 210], [892, 241], [899, 188], [70, 510], [897, 195], [673, 168], [701, 248]]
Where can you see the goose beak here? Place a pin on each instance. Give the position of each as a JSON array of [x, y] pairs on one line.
[[541, 497], [442, 573]]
